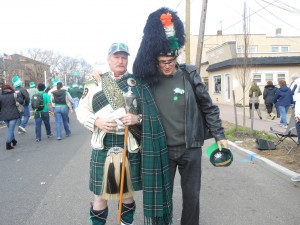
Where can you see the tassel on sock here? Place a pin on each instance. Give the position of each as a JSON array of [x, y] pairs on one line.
[[125, 187], [112, 187]]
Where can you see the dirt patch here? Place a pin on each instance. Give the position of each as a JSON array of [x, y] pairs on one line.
[[280, 155]]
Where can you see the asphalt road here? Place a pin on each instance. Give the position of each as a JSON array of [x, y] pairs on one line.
[[47, 183]]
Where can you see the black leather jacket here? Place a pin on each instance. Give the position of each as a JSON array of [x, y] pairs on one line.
[[199, 118]]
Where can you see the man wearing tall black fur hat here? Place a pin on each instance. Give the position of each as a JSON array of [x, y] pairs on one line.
[[185, 112], [102, 111]]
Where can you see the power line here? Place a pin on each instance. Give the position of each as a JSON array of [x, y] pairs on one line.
[[292, 40], [250, 15], [178, 5], [278, 17], [285, 7]]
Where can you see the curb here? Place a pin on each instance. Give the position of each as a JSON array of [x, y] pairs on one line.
[[256, 158]]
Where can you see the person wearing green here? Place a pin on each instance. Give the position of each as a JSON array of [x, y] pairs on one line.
[[75, 93], [43, 115], [31, 90]]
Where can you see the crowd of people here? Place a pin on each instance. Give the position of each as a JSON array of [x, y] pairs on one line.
[[58, 102], [279, 98], [282, 98]]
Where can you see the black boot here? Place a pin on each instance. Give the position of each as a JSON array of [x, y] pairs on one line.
[[98, 217], [8, 146], [14, 142]]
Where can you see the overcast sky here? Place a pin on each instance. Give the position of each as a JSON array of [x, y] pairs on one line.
[[85, 29]]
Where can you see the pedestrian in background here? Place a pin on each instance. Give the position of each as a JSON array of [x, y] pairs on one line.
[[43, 115], [268, 95], [283, 98], [297, 118], [75, 93], [184, 118], [31, 91], [295, 82], [17, 83], [61, 111], [254, 88], [294, 86], [9, 113]]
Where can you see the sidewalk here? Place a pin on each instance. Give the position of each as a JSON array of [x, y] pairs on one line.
[[227, 113]]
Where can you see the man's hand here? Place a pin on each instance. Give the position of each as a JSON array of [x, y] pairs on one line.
[[107, 125], [222, 143], [96, 74], [129, 119]]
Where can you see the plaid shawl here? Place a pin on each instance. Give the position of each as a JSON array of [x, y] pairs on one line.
[[157, 192]]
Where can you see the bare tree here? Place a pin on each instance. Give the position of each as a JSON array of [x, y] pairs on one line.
[[68, 69], [48, 57], [243, 67]]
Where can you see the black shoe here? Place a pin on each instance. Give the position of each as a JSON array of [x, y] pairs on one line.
[[8, 146], [14, 142]]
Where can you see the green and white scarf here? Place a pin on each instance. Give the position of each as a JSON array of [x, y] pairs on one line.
[[157, 191]]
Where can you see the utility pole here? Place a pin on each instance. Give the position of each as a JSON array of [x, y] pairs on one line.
[[201, 35], [187, 31]]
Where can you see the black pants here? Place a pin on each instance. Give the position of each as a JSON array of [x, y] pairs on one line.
[[269, 107], [188, 162]]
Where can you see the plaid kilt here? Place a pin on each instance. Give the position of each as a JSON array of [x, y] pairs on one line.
[[97, 161]]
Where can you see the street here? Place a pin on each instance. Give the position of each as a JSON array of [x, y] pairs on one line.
[[47, 183]]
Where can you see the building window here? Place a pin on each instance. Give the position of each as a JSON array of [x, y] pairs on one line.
[[284, 49], [262, 77], [275, 49], [278, 48], [239, 49], [280, 76], [217, 84], [269, 77], [252, 49], [257, 77]]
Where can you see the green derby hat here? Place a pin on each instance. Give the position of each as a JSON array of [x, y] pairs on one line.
[[219, 158]]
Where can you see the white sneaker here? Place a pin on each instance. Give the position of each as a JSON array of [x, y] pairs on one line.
[[296, 178], [22, 129]]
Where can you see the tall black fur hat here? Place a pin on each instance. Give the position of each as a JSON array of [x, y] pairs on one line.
[[163, 36]]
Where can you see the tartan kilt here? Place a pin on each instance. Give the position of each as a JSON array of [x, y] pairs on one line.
[[97, 162]]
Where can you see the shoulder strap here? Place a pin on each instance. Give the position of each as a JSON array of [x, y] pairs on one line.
[[188, 77], [112, 91]]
